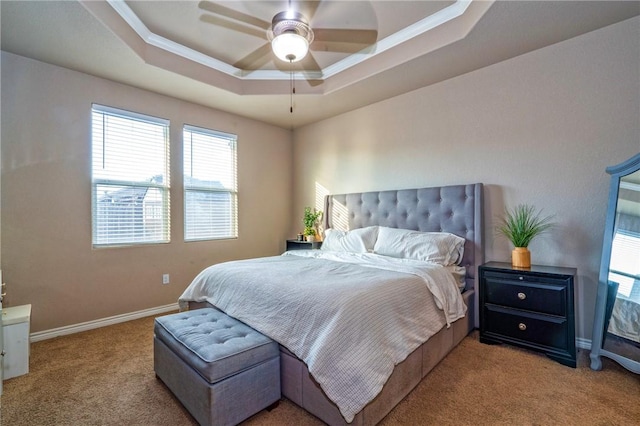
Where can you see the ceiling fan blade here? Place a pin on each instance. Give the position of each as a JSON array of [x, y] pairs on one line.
[[221, 22], [344, 35], [309, 63], [227, 12], [255, 59], [307, 8], [308, 66], [342, 40]]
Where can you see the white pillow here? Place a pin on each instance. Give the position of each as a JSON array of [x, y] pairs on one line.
[[359, 240], [437, 247]]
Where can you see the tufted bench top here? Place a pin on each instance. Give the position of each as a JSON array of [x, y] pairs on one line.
[[214, 344]]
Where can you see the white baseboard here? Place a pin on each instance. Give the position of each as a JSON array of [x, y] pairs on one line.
[[582, 343], [90, 325]]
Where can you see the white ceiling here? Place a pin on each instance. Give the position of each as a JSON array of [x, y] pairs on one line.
[[216, 53]]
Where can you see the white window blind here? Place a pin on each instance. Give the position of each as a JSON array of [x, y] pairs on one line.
[[130, 177], [210, 185]]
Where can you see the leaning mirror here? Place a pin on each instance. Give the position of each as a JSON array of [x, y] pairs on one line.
[[616, 329]]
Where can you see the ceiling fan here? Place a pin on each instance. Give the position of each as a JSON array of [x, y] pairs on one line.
[[289, 36]]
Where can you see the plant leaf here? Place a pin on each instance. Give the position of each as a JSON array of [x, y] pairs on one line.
[[523, 223]]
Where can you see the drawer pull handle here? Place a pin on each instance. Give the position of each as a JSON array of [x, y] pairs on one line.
[[522, 296], [522, 326]]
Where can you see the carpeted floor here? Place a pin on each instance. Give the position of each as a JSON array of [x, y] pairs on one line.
[[105, 377]]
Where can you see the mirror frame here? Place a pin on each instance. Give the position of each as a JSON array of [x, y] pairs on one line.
[[602, 306]]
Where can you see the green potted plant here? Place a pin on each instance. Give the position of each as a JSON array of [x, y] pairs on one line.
[[310, 220], [521, 225]]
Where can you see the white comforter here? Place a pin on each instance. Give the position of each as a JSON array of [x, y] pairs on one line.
[[350, 317]]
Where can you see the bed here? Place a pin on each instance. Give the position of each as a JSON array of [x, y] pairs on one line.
[[308, 362]]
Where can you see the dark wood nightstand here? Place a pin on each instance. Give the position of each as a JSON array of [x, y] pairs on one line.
[[303, 245], [530, 308]]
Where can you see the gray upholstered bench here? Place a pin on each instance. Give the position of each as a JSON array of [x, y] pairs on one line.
[[220, 369]]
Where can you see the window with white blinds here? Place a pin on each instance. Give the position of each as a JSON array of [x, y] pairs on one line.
[[210, 185], [130, 177]]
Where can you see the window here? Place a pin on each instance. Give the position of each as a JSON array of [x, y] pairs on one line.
[[130, 177], [210, 188]]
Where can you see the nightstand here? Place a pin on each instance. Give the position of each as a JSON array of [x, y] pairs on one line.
[[530, 308], [16, 321], [303, 245]]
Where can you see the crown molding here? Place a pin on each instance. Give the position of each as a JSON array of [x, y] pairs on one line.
[[426, 24]]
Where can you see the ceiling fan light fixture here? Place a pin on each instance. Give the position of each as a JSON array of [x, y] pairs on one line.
[[290, 47], [290, 36]]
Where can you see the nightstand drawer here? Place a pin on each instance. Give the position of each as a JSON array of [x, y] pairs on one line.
[[543, 298], [303, 245], [527, 327]]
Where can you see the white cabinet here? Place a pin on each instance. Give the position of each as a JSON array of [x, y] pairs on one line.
[[16, 321]]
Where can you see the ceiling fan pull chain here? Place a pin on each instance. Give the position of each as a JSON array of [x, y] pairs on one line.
[[292, 88]]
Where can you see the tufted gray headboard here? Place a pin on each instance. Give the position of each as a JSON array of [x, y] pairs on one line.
[[456, 209]]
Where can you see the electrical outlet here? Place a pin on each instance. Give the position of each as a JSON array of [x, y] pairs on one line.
[[165, 278]]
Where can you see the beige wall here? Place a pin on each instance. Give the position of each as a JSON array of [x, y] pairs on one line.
[[47, 258], [539, 128]]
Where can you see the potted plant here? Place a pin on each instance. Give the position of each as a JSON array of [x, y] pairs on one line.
[[310, 220], [520, 225]]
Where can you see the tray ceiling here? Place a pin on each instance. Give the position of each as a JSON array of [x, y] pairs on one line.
[[217, 54]]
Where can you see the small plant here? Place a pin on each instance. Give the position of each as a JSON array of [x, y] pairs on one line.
[[523, 223], [310, 220]]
